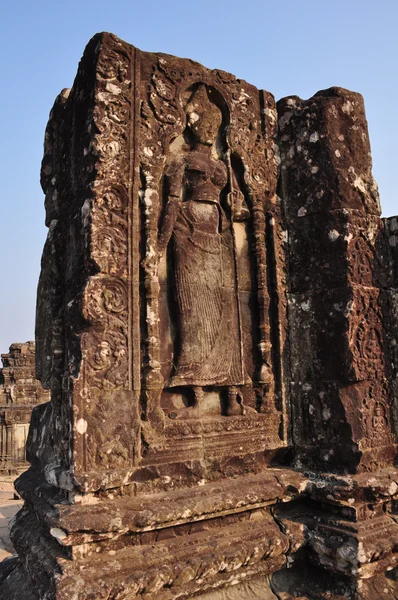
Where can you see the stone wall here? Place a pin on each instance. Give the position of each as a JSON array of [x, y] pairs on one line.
[[217, 322]]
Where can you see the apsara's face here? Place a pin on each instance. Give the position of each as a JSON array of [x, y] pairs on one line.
[[204, 129], [204, 118]]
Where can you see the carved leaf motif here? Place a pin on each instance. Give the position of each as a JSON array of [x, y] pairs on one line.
[[104, 296], [224, 76], [163, 112], [117, 110], [113, 65], [107, 358], [115, 199], [163, 87], [109, 250]]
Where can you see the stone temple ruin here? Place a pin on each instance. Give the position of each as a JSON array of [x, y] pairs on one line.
[[217, 321], [20, 392]]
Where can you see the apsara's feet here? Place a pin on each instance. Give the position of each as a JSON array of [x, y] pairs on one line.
[[190, 412]]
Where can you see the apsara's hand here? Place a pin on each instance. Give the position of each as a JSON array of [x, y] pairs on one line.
[[237, 204]]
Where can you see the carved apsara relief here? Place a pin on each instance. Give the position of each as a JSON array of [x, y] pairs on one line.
[[366, 251], [366, 334], [205, 285], [376, 417], [361, 259], [177, 306], [202, 211]]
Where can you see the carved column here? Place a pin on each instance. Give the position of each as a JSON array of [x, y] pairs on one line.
[[340, 365]]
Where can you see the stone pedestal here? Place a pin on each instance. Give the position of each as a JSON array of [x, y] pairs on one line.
[[215, 321]]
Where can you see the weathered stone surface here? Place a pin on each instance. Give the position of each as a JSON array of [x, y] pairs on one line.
[[353, 426], [14, 584], [217, 323], [255, 589], [339, 334], [336, 249], [20, 392], [325, 151], [135, 335]]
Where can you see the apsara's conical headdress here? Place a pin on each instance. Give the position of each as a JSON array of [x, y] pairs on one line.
[[204, 117]]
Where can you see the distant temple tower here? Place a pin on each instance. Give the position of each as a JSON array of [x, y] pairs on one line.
[[20, 391]]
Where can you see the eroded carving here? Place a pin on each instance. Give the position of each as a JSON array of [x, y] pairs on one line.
[[366, 334], [207, 192], [107, 357]]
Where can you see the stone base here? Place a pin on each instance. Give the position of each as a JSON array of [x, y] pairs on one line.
[[300, 583], [235, 536]]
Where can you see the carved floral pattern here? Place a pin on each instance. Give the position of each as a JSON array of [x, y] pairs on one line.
[[107, 359]]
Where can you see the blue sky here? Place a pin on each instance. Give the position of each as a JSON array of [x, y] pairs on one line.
[[287, 47]]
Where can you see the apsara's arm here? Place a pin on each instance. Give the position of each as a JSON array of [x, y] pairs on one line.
[[174, 174]]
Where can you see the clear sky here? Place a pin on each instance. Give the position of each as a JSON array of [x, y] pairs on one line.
[[287, 47]]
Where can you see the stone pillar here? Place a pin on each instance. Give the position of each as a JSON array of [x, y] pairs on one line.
[[9, 452], [2, 442], [341, 342], [106, 324], [338, 277]]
